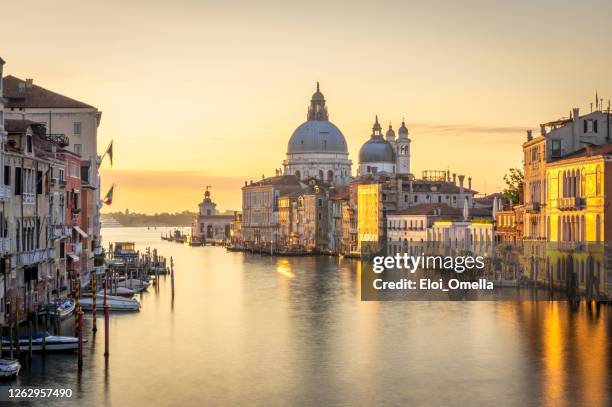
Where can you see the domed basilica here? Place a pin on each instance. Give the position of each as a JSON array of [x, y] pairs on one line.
[[318, 148]]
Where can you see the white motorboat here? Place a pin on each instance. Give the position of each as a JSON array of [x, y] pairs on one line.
[[52, 343], [114, 303], [61, 310], [134, 284], [119, 291], [9, 368]]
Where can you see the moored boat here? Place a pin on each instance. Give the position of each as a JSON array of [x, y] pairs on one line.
[[52, 343], [134, 284], [114, 303], [9, 368], [62, 309], [120, 291]]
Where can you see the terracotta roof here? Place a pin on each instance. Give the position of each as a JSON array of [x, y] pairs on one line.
[[604, 149], [439, 186], [339, 192], [429, 209], [36, 96]]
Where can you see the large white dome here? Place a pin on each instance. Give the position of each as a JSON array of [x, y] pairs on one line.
[[317, 136]]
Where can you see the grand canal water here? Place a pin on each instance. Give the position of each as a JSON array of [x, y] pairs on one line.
[[250, 330]]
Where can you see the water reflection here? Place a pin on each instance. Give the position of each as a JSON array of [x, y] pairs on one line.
[[246, 329]]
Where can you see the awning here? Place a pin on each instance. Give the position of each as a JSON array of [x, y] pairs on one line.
[[74, 257], [80, 232]]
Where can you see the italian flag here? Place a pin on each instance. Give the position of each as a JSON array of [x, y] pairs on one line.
[[108, 199]]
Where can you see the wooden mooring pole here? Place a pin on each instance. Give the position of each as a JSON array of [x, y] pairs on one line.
[[94, 289], [172, 274], [106, 321]]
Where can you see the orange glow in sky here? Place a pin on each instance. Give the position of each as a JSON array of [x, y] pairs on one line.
[[197, 93]]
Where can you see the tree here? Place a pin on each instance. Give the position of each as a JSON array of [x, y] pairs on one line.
[[514, 180]]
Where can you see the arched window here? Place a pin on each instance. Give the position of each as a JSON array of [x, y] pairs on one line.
[[297, 174], [321, 175], [17, 236], [597, 228], [330, 176]]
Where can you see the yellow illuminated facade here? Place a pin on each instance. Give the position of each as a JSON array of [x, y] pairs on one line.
[[369, 218], [575, 205]]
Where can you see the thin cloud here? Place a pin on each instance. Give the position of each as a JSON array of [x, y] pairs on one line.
[[467, 129]]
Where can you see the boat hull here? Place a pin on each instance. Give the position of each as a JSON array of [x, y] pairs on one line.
[[114, 304], [9, 368], [52, 344]]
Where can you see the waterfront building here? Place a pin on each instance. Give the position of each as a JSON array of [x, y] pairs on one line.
[[508, 225], [558, 139], [564, 199], [28, 163], [335, 230], [310, 219], [289, 224], [5, 195], [260, 209], [313, 212], [398, 192], [370, 218], [236, 229], [60, 218], [578, 187], [210, 225], [317, 148], [414, 224], [349, 223], [65, 116]]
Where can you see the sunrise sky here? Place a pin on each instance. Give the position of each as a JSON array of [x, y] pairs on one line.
[[199, 93]]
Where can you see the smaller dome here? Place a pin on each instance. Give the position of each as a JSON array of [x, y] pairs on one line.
[[390, 133], [377, 149]]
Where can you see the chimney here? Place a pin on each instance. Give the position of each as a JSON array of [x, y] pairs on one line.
[[461, 178], [21, 87], [529, 136], [543, 129], [469, 182], [576, 128], [447, 175], [454, 178], [28, 83]]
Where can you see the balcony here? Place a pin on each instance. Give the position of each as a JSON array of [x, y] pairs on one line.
[[5, 193], [532, 207], [570, 247], [34, 256], [60, 139], [28, 198], [60, 231], [570, 203]]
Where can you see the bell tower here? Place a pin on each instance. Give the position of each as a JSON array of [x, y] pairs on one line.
[[402, 146]]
